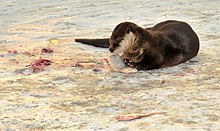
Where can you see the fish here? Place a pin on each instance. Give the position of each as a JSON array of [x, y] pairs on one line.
[[117, 64]]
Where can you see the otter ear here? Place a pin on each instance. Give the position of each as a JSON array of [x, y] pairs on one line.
[[128, 30]]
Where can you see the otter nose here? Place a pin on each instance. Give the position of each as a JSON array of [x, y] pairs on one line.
[[111, 49]]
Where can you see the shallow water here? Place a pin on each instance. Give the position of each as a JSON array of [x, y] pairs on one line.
[[63, 96]]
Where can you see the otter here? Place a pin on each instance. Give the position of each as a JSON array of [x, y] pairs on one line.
[[166, 44]]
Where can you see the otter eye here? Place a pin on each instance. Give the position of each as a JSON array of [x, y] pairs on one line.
[[128, 30]]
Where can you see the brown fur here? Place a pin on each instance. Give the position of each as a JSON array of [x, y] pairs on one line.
[[166, 44]]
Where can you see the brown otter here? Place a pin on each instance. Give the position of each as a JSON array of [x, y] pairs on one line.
[[166, 44]]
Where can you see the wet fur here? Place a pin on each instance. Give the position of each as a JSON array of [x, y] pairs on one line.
[[166, 44]]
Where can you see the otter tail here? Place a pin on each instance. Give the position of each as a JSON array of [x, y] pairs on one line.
[[104, 43]]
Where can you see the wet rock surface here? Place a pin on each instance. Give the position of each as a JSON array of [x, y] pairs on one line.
[[65, 96]]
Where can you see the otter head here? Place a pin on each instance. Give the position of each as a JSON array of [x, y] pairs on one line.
[[122, 36], [131, 42]]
